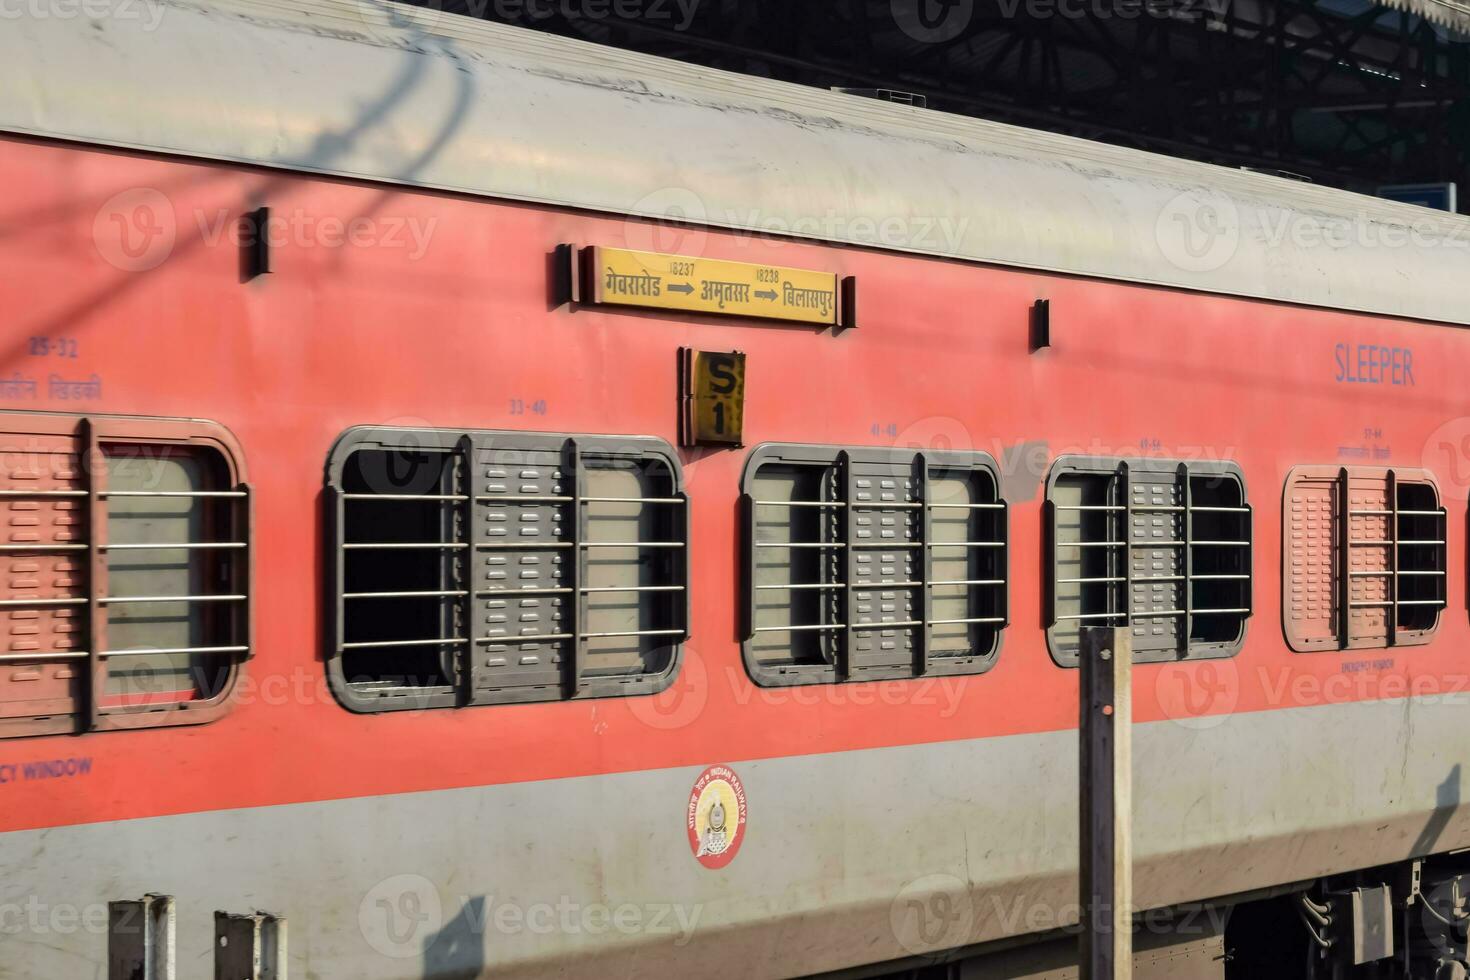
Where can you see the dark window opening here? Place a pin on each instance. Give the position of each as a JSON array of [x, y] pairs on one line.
[[402, 576]]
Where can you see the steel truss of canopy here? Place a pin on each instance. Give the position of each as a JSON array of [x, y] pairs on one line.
[[1348, 93]]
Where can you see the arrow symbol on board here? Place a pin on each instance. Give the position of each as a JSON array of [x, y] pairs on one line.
[[769, 294], [683, 287]]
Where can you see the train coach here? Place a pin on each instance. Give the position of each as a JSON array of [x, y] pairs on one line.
[[507, 506]]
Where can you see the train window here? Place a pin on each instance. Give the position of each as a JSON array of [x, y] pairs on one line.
[[489, 567], [872, 563], [1364, 557], [126, 555], [1159, 546]]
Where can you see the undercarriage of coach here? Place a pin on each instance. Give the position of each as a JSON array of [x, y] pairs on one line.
[[1402, 922]]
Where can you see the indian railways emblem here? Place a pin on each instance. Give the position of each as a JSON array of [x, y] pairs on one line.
[[716, 816]]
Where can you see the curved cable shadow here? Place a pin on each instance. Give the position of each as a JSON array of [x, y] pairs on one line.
[[327, 148]]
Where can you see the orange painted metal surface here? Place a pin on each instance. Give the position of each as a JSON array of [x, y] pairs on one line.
[[415, 309]]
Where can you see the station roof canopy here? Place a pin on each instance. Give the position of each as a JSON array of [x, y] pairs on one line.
[[1347, 93]]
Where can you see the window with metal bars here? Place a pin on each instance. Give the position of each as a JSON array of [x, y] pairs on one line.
[[1364, 557], [866, 564], [480, 567], [1159, 546], [126, 556]]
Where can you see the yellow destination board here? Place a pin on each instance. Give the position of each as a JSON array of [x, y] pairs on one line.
[[679, 282]]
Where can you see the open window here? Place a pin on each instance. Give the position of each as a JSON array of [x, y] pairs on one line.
[[1364, 557], [872, 563], [125, 561], [476, 567], [1161, 547]]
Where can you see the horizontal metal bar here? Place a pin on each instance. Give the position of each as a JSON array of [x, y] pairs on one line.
[[523, 592], [879, 586], [1220, 544], [965, 544], [1219, 510], [1079, 616], [1421, 602], [114, 599], [1370, 513], [1219, 612], [832, 586], [1384, 604], [799, 629], [1092, 544], [525, 638], [1389, 571], [879, 545], [446, 497], [522, 499], [800, 544], [633, 544], [632, 500], [608, 636], [227, 494], [873, 627], [1158, 509], [1421, 513], [405, 595], [836, 504], [888, 505], [43, 547], [170, 651], [633, 588], [42, 493], [1219, 578], [24, 603], [403, 546], [1090, 507], [1384, 544], [959, 622], [387, 644], [1159, 578], [1164, 544], [180, 546], [6, 658], [967, 506], [522, 545], [1400, 513], [1089, 581], [971, 581]]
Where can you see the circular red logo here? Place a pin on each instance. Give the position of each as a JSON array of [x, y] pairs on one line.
[[716, 816]]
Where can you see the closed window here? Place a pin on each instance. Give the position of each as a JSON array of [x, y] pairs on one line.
[[872, 563], [125, 559], [1160, 547], [1363, 557], [487, 567]]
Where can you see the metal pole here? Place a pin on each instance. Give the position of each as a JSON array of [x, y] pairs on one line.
[[1106, 860]]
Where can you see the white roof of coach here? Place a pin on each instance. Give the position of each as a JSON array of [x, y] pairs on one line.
[[352, 88]]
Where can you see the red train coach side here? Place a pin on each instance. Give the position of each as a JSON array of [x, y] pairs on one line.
[[1313, 739]]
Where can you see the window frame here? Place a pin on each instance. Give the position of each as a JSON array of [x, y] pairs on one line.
[[92, 433], [467, 443], [1342, 640], [1118, 467], [839, 672]]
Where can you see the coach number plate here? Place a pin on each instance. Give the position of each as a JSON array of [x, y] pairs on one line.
[[713, 391]]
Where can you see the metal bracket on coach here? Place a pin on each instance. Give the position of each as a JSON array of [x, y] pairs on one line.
[[249, 947], [141, 941]]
